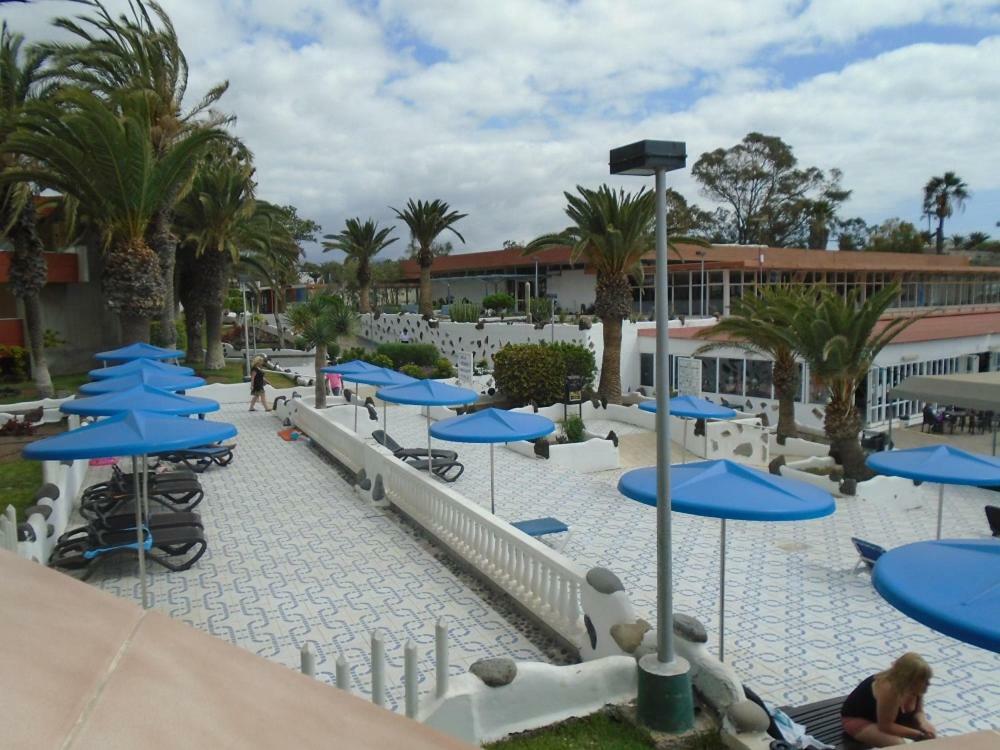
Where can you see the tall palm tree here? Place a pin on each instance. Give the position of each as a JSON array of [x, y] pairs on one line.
[[426, 220], [758, 323], [139, 51], [104, 158], [611, 232], [361, 242], [942, 195], [19, 84], [321, 321], [822, 216], [839, 337]]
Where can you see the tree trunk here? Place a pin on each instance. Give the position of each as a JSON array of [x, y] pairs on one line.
[[610, 386], [786, 381], [364, 296], [214, 359], [939, 238], [36, 345], [193, 320], [426, 304], [135, 328], [215, 267], [842, 424], [133, 287], [164, 244], [320, 382]]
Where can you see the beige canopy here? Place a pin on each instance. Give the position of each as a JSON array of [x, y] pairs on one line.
[[977, 390]]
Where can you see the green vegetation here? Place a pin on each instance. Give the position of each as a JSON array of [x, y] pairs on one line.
[[573, 428], [235, 372], [541, 310], [500, 302], [443, 368], [13, 363], [27, 390], [426, 220], [425, 355], [530, 372], [321, 321], [414, 371], [19, 481], [361, 243], [464, 312], [577, 359]]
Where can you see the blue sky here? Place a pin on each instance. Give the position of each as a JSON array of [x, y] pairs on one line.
[[352, 106]]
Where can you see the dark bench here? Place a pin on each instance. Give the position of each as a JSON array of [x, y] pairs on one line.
[[822, 721]]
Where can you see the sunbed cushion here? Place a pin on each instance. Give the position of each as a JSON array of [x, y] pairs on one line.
[[541, 526]]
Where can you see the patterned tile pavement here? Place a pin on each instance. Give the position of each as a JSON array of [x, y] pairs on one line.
[[295, 556]]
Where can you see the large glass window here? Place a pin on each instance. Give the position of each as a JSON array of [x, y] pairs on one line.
[[731, 376], [709, 377], [758, 378]]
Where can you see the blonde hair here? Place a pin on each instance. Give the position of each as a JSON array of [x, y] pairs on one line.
[[907, 673], [258, 361]]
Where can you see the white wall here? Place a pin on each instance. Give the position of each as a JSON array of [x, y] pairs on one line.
[[572, 288]]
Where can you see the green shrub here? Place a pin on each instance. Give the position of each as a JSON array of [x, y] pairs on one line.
[[353, 353], [391, 309], [425, 355], [573, 429], [541, 310], [530, 372], [379, 360], [443, 368], [414, 371], [578, 359], [463, 312], [498, 302], [13, 364]]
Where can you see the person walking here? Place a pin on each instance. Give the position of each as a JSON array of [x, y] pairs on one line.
[[257, 383]]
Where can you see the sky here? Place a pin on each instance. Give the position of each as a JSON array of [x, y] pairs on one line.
[[354, 106]]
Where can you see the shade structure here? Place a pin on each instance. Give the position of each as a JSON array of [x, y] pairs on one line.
[[352, 367], [163, 380], [728, 490], [975, 390], [381, 377], [139, 350], [427, 393], [133, 433], [142, 397], [493, 426], [950, 585], [138, 365], [691, 407], [938, 463]]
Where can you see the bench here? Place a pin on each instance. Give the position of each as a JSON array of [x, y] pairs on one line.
[[822, 721], [539, 527]]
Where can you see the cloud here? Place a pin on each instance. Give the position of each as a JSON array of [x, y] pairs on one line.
[[498, 108]]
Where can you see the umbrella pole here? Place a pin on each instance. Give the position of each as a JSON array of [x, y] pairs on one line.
[[428, 441], [722, 591], [684, 452], [355, 408], [385, 416], [493, 507], [140, 540], [940, 508]]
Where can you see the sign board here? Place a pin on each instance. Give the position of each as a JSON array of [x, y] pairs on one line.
[[465, 369], [688, 376]]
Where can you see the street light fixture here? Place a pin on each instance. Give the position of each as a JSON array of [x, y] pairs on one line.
[[665, 701]]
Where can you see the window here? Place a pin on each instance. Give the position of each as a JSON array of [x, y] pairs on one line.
[[646, 373], [758, 378], [731, 376], [709, 376]]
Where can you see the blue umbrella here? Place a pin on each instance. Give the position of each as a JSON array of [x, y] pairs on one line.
[[139, 350], [356, 370], [493, 426], [163, 380], [137, 365], [351, 368], [938, 463], [949, 585], [692, 407], [142, 397], [381, 377], [133, 434], [725, 489]]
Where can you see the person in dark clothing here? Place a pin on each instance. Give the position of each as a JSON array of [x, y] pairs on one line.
[[257, 383], [887, 708]]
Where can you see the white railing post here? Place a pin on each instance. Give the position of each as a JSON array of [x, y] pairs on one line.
[[343, 674], [410, 678], [441, 657], [307, 661], [378, 670]]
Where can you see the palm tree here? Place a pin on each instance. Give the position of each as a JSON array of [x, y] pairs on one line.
[[758, 323], [611, 231], [321, 320], [426, 220], [822, 216], [361, 242], [19, 78], [942, 195], [104, 158], [839, 337], [139, 51]]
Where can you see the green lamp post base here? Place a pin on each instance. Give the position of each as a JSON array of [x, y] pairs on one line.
[[666, 701]]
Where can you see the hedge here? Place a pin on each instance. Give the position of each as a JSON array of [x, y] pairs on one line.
[[530, 372], [425, 355], [579, 360], [498, 302]]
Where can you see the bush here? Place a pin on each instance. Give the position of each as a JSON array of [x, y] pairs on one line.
[[462, 312], [353, 353], [498, 302], [443, 368], [391, 309], [578, 359], [425, 355], [379, 360], [13, 364], [573, 429], [541, 310], [530, 372], [414, 371]]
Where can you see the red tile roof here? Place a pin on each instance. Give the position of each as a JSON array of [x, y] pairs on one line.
[[931, 328]]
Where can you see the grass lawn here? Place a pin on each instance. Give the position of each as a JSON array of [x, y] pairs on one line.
[[19, 481], [233, 373], [599, 731], [26, 391]]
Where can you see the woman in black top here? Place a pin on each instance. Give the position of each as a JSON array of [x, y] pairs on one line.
[[257, 383], [887, 709]]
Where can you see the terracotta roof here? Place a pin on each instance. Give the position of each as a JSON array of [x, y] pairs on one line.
[[489, 260], [931, 328]]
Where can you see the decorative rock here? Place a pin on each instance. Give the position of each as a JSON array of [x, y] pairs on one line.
[[849, 486], [743, 449], [495, 672], [748, 718], [604, 581], [775, 466], [689, 628], [628, 636], [378, 490]]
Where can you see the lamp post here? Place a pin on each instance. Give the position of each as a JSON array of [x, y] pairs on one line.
[[665, 700]]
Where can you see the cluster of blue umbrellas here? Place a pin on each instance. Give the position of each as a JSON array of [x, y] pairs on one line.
[[144, 415], [358, 371]]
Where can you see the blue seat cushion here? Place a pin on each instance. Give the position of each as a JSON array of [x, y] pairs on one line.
[[541, 526]]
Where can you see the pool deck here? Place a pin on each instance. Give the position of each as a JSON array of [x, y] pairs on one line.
[[297, 557]]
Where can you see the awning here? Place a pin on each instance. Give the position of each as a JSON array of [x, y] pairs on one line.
[[977, 390]]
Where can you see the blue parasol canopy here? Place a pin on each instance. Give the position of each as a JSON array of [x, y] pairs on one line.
[[950, 585], [938, 463], [137, 365], [139, 350], [725, 489], [163, 380], [381, 377], [692, 407], [493, 426], [427, 393], [354, 367], [140, 397], [133, 433]]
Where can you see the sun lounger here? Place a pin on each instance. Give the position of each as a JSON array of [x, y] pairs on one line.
[[444, 463], [822, 721], [539, 527], [868, 553], [125, 521], [176, 548], [199, 459], [101, 501]]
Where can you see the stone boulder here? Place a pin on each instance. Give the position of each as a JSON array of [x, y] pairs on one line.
[[747, 718], [495, 672]]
